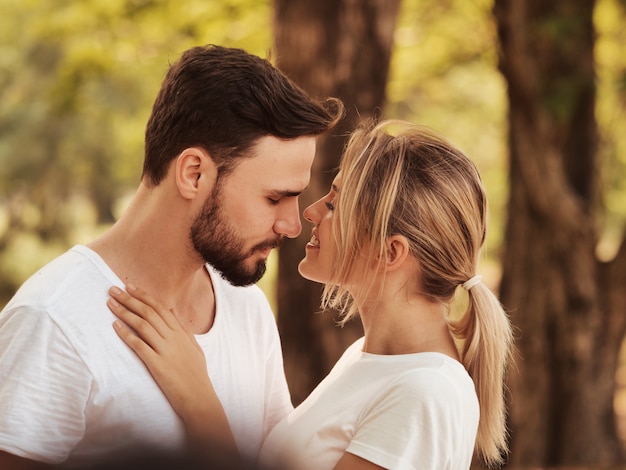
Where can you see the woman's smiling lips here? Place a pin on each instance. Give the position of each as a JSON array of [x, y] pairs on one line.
[[313, 242]]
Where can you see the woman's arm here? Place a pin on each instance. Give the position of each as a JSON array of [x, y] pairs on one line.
[[176, 361]]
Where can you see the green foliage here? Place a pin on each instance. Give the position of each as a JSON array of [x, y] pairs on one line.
[[77, 80], [609, 18]]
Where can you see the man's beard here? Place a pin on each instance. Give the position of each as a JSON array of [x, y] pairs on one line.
[[217, 244]]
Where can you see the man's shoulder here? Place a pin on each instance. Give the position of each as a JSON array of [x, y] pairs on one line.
[[70, 275]]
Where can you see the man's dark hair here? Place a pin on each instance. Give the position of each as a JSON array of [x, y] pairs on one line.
[[224, 99]]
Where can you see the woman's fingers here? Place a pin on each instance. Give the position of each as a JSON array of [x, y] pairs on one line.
[[143, 350], [150, 321], [134, 312], [157, 307], [142, 303], [143, 330], [134, 342]]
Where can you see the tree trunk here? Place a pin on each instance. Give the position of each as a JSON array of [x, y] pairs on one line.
[[567, 306], [338, 48]]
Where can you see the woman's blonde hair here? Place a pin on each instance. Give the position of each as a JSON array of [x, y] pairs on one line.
[[398, 178]]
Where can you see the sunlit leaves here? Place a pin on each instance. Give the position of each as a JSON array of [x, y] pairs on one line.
[[77, 80], [610, 55]]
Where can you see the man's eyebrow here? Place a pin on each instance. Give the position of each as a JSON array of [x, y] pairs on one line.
[[284, 193]]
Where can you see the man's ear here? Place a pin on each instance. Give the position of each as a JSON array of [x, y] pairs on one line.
[[195, 172], [396, 251]]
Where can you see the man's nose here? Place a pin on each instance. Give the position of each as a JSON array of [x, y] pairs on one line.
[[288, 224]]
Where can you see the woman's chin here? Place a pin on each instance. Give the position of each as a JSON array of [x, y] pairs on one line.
[[308, 273]]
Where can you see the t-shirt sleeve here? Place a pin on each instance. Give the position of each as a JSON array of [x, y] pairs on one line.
[[408, 425], [44, 387]]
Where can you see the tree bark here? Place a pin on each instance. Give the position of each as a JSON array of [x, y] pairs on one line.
[[567, 306], [338, 48]]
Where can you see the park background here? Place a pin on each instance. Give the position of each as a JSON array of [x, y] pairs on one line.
[[533, 91]]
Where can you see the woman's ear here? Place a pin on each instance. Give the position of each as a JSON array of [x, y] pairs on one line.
[[195, 172], [396, 251]]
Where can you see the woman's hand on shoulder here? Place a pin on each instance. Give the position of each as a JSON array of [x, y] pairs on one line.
[[177, 363], [169, 350]]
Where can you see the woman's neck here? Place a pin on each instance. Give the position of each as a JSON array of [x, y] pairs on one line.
[[402, 324]]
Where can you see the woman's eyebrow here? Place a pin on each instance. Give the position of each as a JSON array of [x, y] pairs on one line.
[[335, 188]]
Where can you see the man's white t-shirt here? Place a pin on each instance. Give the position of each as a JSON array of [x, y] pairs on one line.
[[71, 391], [404, 412]]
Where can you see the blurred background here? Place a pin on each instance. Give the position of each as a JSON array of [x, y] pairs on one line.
[[533, 91]]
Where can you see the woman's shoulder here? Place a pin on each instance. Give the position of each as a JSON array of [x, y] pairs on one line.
[[424, 378]]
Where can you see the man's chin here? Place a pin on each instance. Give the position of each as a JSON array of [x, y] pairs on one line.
[[244, 277]]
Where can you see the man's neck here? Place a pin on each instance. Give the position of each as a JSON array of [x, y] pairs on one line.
[[153, 252]]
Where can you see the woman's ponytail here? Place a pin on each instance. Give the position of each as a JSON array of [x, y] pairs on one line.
[[486, 338]]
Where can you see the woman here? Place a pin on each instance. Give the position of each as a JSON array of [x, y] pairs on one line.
[[399, 232]]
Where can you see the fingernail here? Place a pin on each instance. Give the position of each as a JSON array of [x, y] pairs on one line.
[[130, 287], [113, 303], [116, 290], [117, 324]]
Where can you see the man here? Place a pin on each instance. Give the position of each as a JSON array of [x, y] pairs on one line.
[[229, 147]]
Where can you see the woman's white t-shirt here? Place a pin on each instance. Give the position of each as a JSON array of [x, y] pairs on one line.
[[410, 411]]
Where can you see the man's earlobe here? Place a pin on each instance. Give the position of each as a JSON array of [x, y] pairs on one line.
[[191, 164]]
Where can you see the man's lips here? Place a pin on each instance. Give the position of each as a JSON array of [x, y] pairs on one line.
[[268, 246]]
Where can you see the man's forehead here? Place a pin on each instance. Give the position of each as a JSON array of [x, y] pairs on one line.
[[280, 165], [268, 144]]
